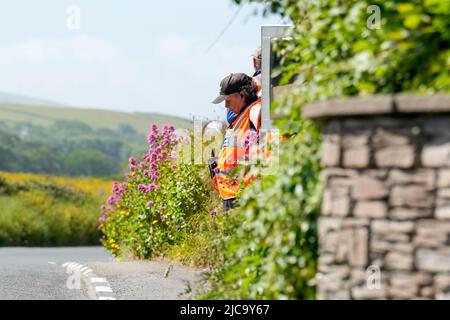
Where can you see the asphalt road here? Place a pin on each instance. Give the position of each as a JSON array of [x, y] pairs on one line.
[[78, 273]]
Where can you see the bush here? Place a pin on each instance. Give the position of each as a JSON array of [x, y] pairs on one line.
[[272, 243], [38, 211], [152, 210], [271, 252], [6, 188], [339, 50]]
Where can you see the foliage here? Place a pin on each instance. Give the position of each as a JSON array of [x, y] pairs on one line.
[[200, 245], [339, 50], [49, 211], [152, 209], [271, 251], [335, 51], [66, 148]]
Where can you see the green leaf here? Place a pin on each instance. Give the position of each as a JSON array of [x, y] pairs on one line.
[[413, 21], [437, 6], [403, 8]]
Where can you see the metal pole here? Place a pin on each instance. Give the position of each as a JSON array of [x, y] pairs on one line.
[[268, 33]]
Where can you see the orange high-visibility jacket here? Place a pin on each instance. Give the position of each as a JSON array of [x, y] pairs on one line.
[[234, 151]]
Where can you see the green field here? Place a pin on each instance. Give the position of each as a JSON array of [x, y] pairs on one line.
[[95, 118], [73, 141]]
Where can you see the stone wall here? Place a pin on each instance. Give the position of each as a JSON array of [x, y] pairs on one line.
[[384, 230]]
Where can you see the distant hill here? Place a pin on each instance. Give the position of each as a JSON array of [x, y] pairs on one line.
[[9, 98], [46, 115], [42, 137]]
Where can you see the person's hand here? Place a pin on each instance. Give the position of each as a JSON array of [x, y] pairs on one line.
[[212, 165]]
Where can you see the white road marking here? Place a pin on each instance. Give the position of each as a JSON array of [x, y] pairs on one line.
[[103, 289], [93, 279], [51, 262]]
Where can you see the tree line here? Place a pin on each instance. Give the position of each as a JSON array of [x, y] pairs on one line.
[[70, 148]]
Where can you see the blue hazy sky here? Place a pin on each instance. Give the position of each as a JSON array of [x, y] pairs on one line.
[[136, 55]]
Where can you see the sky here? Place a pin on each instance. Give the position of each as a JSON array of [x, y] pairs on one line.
[[137, 55]]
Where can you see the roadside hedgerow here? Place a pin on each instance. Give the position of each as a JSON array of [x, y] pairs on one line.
[[337, 49], [39, 210], [151, 210]]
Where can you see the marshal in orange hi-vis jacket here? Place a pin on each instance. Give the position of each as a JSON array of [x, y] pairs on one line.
[[241, 142], [236, 150]]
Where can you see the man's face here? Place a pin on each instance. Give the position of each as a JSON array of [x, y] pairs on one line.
[[256, 63], [235, 102]]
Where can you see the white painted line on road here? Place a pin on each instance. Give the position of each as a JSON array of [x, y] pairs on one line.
[[51, 262], [93, 279], [103, 289]]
